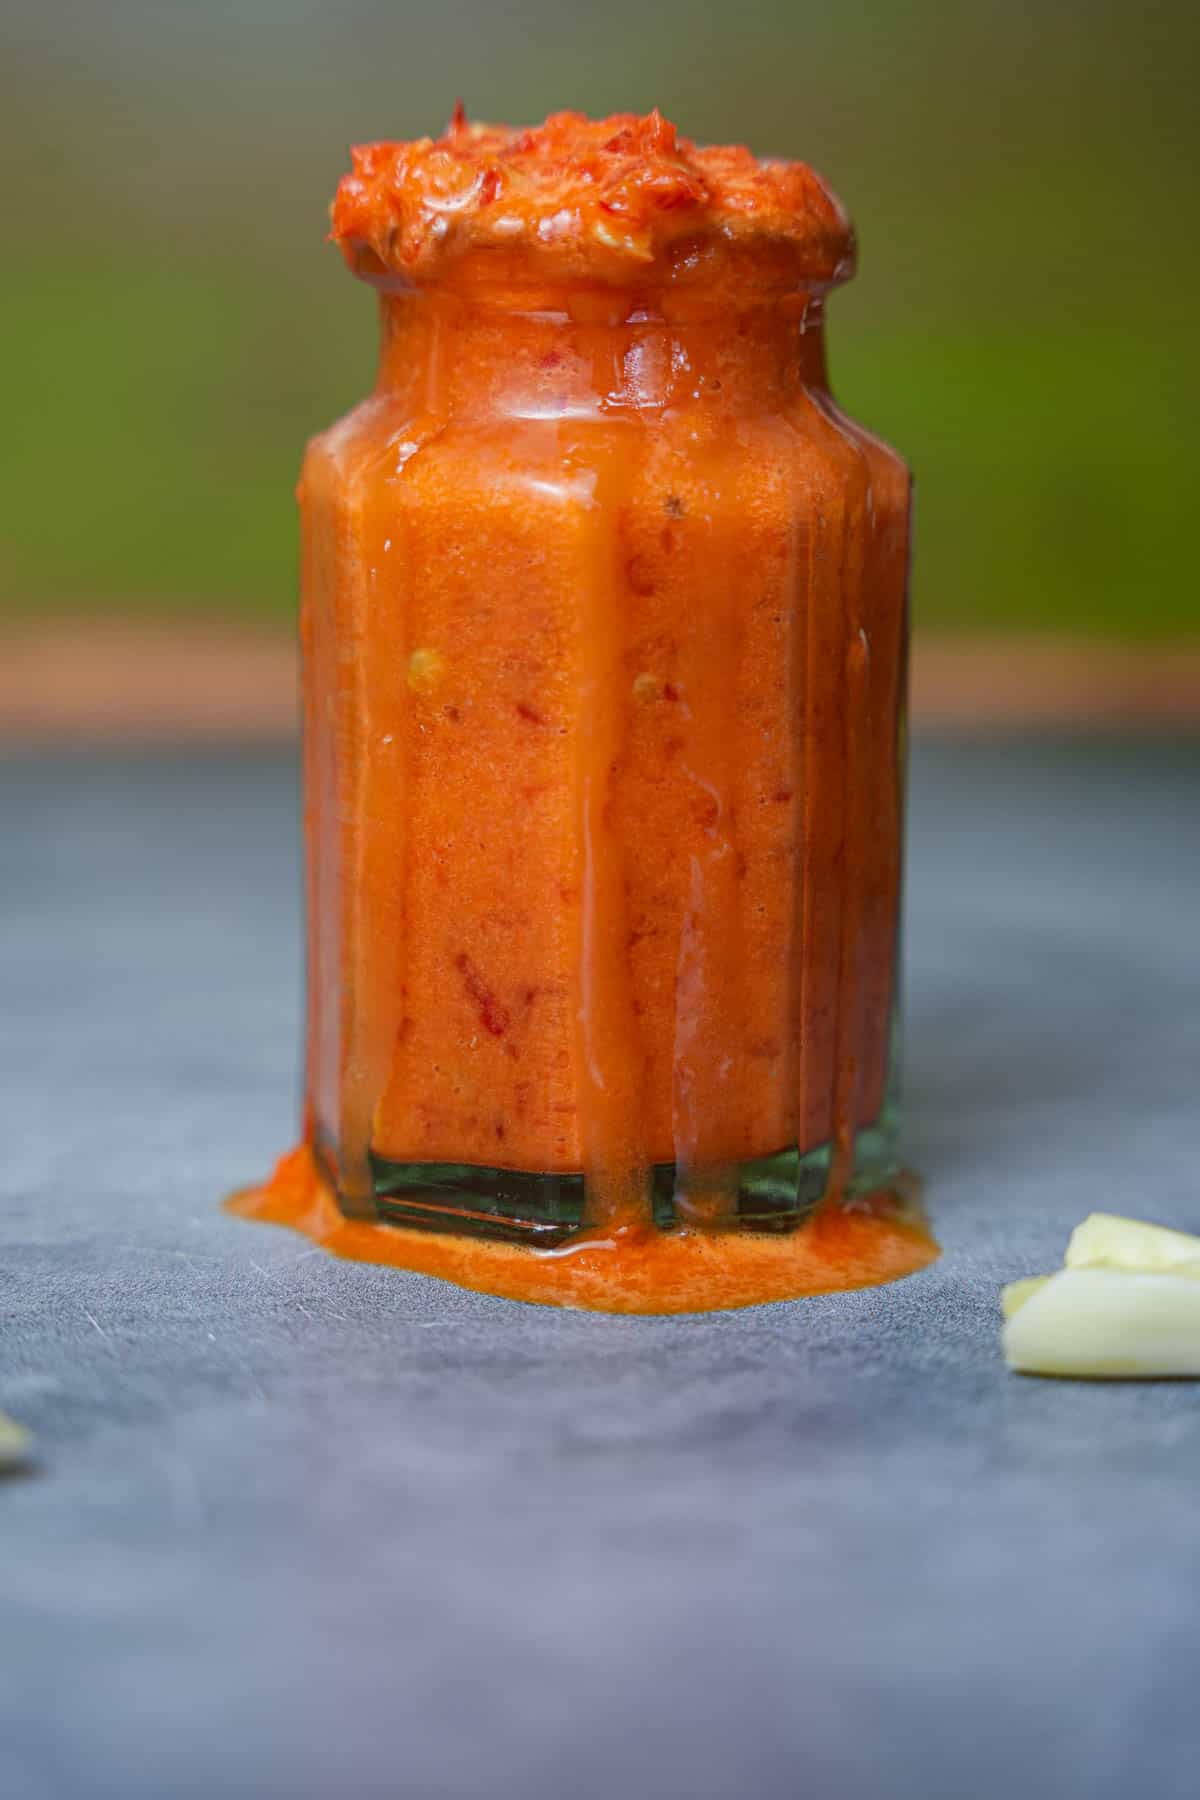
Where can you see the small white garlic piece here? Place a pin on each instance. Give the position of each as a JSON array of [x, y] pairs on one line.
[[15, 1444], [1105, 1240], [1108, 1323]]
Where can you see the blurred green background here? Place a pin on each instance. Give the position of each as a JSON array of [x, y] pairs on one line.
[[1023, 327]]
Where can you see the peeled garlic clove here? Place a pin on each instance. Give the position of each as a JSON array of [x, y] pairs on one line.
[[15, 1443], [1108, 1241], [1109, 1323], [1014, 1296]]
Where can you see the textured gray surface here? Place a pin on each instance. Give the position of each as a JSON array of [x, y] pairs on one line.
[[304, 1529]]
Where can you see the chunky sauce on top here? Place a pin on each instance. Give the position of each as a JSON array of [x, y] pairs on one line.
[[606, 197]]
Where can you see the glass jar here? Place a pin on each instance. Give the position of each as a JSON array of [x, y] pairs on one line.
[[604, 628]]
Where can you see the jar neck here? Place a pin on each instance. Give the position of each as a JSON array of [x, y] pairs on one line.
[[577, 353]]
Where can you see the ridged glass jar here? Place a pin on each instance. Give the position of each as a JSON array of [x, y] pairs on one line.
[[604, 628]]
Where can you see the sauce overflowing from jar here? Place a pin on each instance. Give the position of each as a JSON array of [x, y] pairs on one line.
[[604, 623]]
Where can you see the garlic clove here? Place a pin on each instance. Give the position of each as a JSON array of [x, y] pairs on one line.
[[15, 1444], [1108, 1323], [1105, 1240]]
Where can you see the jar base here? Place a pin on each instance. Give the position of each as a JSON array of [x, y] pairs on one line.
[[516, 1206], [860, 1241], [773, 1193]]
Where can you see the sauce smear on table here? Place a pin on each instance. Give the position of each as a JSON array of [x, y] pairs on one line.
[[632, 1269]]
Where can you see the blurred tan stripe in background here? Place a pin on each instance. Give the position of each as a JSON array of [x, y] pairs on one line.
[[210, 683]]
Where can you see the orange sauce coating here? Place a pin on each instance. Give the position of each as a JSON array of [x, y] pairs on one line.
[[615, 819], [604, 615]]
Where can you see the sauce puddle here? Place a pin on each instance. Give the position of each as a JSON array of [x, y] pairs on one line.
[[634, 1269]]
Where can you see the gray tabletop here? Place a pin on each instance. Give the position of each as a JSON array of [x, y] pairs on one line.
[[304, 1529]]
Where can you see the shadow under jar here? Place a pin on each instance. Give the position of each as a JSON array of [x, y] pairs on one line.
[[604, 628]]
